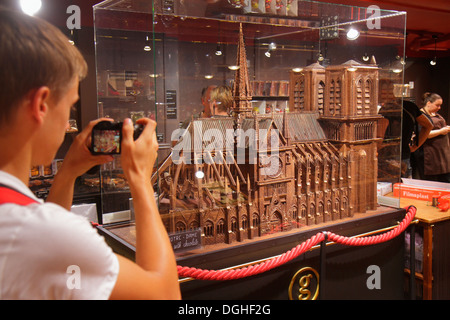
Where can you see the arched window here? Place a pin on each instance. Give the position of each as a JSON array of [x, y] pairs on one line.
[[255, 221], [344, 203], [180, 226], [244, 223], [367, 95], [332, 93], [294, 214], [312, 209], [320, 98], [208, 229], [234, 225], [303, 212], [193, 225], [220, 229], [359, 97]]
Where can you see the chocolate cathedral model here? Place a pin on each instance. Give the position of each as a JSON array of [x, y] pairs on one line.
[[251, 174]]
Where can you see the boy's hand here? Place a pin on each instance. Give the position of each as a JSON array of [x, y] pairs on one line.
[[79, 159], [138, 157]]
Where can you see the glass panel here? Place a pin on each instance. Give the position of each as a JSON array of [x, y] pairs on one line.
[[298, 74]]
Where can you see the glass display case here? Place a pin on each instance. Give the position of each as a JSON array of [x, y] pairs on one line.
[[312, 134]]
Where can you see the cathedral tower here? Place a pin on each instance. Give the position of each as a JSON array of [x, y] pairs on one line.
[[241, 87], [350, 123]]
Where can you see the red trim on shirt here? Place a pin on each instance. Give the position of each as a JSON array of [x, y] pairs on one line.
[[8, 195]]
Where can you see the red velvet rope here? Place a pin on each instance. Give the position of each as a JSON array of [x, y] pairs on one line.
[[201, 274]]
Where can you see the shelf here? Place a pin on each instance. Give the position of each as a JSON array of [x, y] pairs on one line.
[[270, 98], [417, 274]]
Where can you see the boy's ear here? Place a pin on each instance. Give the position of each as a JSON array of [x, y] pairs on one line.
[[39, 103]]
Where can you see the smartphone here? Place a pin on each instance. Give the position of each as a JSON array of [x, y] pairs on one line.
[[107, 137]]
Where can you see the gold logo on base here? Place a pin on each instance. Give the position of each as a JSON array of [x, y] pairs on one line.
[[304, 285]]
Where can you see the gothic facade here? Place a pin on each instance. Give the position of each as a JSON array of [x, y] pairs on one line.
[[249, 175]]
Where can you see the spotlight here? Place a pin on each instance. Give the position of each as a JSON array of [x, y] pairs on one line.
[[433, 62], [30, 7], [352, 34], [218, 50], [147, 46], [272, 47], [365, 57], [71, 38], [320, 58]]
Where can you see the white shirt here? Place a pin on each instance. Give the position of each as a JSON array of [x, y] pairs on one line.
[[47, 252]]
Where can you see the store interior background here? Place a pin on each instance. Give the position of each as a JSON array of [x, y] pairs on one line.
[[428, 36]]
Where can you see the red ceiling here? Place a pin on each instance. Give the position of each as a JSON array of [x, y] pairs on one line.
[[425, 19]]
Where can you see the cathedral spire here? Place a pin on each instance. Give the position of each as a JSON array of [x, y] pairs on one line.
[[241, 87]]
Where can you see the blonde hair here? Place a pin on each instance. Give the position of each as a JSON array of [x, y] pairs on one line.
[[34, 53], [223, 97]]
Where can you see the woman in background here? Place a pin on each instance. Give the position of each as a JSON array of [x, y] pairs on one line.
[[436, 149]]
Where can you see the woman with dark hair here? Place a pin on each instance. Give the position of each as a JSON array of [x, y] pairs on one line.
[[436, 149]]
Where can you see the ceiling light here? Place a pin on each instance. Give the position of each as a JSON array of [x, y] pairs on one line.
[[218, 50], [433, 62], [30, 7], [398, 65], [365, 57], [272, 46], [209, 76], [297, 69], [320, 58], [147, 46], [71, 38], [233, 67], [352, 34]]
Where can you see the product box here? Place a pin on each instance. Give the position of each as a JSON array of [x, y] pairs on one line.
[[420, 190], [383, 188]]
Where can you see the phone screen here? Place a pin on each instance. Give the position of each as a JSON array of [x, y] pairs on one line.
[[106, 141]]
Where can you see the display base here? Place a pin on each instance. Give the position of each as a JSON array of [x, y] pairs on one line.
[[348, 270]]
